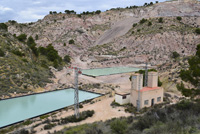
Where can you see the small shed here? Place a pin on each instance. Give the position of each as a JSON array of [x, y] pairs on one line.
[[122, 98]]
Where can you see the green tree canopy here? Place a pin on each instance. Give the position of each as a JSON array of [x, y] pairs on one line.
[[98, 12], [22, 37], [32, 45]]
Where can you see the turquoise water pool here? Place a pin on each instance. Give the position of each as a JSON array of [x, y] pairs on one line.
[[108, 71], [22, 108]]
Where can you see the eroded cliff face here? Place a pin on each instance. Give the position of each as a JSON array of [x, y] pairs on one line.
[[109, 38]]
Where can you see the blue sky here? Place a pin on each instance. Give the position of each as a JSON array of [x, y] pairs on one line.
[[31, 10]]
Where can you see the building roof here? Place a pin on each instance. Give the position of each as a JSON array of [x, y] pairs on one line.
[[149, 88], [122, 93]]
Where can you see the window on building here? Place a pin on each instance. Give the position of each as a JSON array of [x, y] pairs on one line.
[[146, 102], [124, 97], [158, 99]]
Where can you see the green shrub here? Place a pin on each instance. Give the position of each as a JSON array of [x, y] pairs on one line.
[[160, 20], [12, 22], [98, 12], [32, 45], [79, 15], [18, 53], [64, 44], [184, 105], [67, 59], [49, 126], [197, 30], [24, 60], [115, 104], [175, 55], [55, 64], [149, 24], [2, 54], [22, 37], [131, 109], [23, 131], [118, 126], [30, 41], [28, 122], [3, 26], [135, 24], [44, 64], [179, 18], [80, 106], [36, 37], [52, 54], [42, 50], [143, 21], [159, 82], [44, 116], [71, 41], [83, 115]]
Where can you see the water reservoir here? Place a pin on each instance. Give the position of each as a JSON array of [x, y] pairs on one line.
[[21, 108], [108, 71]]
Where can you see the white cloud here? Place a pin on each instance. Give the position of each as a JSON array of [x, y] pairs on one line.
[[4, 9], [28, 15], [37, 2]]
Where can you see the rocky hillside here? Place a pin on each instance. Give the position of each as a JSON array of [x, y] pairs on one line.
[[114, 32], [21, 71], [149, 40]]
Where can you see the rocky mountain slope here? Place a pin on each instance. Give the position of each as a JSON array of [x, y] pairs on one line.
[[113, 30]]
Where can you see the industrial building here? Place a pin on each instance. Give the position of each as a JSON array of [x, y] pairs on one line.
[[147, 96]]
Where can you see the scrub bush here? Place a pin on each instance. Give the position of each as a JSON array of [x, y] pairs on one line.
[[197, 30], [2, 54], [49, 126], [118, 126], [22, 37], [179, 18], [83, 115]]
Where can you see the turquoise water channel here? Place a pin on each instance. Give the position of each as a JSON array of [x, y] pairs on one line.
[[22, 108], [108, 71]]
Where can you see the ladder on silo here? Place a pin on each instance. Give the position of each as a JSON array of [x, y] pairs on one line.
[[139, 87]]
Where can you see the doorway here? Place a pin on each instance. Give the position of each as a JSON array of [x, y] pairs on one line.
[[152, 102]]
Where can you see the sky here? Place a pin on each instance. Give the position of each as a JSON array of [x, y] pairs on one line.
[[24, 11]]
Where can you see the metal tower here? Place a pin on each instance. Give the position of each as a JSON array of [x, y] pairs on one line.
[[146, 75], [76, 97], [77, 71]]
